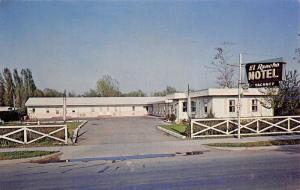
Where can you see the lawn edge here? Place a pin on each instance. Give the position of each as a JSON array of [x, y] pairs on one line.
[[32, 159], [76, 131], [171, 132]]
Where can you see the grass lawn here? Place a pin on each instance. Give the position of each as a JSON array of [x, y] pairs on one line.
[[177, 128], [23, 154], [257, 144], [71, 127]]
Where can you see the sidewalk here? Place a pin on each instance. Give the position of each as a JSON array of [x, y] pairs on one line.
[[169, 147]]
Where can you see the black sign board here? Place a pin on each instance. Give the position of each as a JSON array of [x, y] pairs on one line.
[[264, 74]]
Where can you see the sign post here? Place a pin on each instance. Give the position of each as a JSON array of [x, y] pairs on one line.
[[239, 96]]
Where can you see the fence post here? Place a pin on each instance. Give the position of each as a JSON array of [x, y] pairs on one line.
[[66, 134], [25, 135], [227, 126], [192, 124], [257, 126], [289, 124]]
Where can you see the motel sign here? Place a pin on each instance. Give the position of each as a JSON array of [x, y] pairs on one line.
[[264, 74]]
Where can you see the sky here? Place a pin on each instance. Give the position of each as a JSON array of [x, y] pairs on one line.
[[144, 45]]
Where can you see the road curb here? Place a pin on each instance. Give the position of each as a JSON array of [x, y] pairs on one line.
[[75, 135], [171, 132], [33, 159], [249, 148]]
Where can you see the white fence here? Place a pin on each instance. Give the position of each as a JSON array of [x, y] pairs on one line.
[[249, 126], [28, 134]]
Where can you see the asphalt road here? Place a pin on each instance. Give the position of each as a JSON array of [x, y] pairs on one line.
[[121, 131], [214, 169]]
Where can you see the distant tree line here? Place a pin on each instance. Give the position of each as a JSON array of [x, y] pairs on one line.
[[16, 88], [109, 87]]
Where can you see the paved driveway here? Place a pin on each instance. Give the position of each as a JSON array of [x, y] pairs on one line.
[[122, 130]]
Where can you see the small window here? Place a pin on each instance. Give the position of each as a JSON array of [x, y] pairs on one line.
[[184, 107], [254, 105], [33, 110], [133, 108], [57, 111], [47, 111], [231, 105], [193, 106], [205, 108]]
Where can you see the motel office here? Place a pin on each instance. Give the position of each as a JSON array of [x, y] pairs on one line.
[[213, 101]]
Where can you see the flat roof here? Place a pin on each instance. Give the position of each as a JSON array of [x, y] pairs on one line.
[[227, 92], [92, 101]]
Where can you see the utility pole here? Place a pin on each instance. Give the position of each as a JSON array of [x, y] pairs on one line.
[[188, 103], [64, 106], [239, 96]]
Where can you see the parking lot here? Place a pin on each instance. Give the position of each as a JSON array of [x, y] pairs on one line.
[[122, 130]]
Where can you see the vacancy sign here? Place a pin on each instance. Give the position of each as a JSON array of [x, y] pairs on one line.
[[264, 74]]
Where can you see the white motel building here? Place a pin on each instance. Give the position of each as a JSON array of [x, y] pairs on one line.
[[220, 103]]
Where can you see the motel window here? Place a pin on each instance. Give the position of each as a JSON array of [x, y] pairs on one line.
[[133, 108], [254, 105], [57, 111], [205, 108], [184, 107], [47, 111], [193, 106], [231, 105]]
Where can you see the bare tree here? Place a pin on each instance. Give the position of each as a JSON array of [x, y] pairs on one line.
[[284, 99], [220, 65], [297, 54]]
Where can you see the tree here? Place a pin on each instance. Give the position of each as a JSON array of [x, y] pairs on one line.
[[72, 94], [38, 93], [108, 87], [168, 90], [284, 99], [48, 92], [18, 88], [159, 93], [297, 53], [220, 65], [9, 88], [91, 93], [31, 85], [138, 93], [1, 90], [25, 86]]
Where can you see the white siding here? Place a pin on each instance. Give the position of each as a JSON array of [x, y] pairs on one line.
[[86, 111]]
